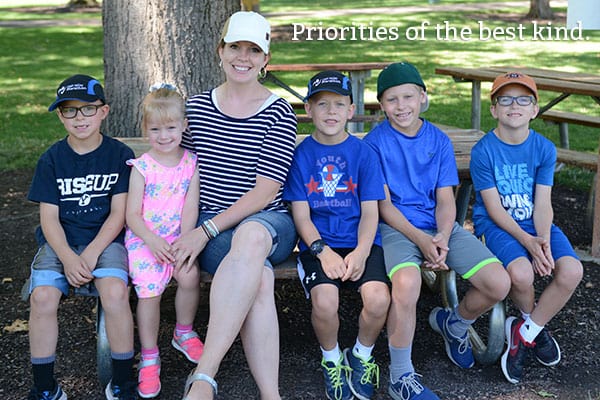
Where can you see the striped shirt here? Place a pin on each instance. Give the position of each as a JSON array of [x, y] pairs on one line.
[[232, 151]]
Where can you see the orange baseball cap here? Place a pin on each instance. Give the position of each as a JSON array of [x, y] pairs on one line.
[[516, 78]]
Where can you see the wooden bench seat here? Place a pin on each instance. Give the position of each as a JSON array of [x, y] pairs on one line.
[[564, 118]]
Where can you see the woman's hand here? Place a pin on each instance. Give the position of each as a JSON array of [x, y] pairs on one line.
[[188, 246]]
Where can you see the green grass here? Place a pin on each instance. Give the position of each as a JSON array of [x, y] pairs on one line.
[[34, 60]]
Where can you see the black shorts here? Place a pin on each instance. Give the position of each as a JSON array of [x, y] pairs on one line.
[[311, 273]]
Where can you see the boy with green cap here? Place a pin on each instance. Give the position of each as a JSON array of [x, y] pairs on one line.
[[418, 228]]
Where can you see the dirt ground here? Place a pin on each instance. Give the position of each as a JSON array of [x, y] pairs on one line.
[[575, 328]]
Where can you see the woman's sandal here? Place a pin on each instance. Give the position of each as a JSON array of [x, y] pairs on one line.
[[199, 377]]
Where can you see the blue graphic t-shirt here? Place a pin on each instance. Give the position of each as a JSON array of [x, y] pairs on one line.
[[334, 180], [514, 170], [82, 186], [414, 167]]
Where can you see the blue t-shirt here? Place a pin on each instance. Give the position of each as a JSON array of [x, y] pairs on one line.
[[513, 170], [82, 186], [414, 167], [334, 180]]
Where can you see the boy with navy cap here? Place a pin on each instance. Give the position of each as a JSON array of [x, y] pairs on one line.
[[334, 185], [418, 228], [81, 184], [513, 171]]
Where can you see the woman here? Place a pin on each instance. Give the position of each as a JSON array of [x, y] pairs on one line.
[[244, 137]]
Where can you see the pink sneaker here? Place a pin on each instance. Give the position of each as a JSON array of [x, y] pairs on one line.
[[190, 345], [149, 378]]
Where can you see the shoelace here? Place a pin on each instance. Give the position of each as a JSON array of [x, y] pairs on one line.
[[371, 370], [335, 375], [410, 384]]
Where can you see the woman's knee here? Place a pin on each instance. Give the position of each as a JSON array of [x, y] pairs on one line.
[[251, 236]]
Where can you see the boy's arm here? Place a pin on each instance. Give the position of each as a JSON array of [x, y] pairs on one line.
[[543, 215], [445, 216], [110, 229], [333, 265], [533, 244], [159, 247], [367, 228], [76, 269], [394, 218]]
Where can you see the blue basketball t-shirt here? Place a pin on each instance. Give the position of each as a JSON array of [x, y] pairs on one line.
[[334, 180]]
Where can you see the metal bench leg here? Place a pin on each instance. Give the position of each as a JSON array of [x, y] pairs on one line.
[[563, 130], [485, 354], [103, 358]]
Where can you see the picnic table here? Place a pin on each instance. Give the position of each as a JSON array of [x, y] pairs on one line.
[[561, 84], [357, 72]]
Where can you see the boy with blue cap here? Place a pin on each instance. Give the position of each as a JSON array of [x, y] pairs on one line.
[[418, 229], [81, 184], [334, 184]]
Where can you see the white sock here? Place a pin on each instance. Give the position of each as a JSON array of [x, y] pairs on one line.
[[332, 355], [362, 351], [525, 315], [529, 330]]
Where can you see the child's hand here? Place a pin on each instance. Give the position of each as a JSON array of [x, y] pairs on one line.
[[541, 256], [77, 271], [333, 265], [356, 263], [161, 249], [434, 249]]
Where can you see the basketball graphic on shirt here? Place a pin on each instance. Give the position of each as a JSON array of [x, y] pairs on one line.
[[330, 177]]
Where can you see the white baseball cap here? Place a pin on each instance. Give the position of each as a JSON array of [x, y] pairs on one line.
[[250, 27]]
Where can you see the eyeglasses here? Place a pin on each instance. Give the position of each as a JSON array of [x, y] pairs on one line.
[[86, 111], [508, 100]]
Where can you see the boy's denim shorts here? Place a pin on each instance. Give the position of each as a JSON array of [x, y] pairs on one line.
[[279, 224], [47, 269], [508, 249], [467, 254]]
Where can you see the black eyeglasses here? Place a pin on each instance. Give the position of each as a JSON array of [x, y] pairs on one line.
[[86, 111], [508, 100]]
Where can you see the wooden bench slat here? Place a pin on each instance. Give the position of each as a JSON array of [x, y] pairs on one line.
[[571, 118], [577, 158]]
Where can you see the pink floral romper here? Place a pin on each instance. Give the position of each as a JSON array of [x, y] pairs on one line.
[[164, 196]]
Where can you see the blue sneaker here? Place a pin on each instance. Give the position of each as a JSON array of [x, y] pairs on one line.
[[459, 350], [364, 375], [546, 349], [336, 379], [128, 391], [56, 394], [408, 387]]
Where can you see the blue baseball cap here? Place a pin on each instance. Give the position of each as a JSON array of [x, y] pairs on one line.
[[329, 81], [78, 87]]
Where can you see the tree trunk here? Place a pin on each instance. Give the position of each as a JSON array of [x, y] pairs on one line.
[[151, 41], [540, 9]]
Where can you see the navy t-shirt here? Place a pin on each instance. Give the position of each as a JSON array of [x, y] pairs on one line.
[[82, 186]]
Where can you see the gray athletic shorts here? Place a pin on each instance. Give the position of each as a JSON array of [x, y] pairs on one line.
[[47, 269], [467, 254]]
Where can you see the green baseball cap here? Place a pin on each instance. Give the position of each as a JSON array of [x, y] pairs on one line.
[[399, 74]]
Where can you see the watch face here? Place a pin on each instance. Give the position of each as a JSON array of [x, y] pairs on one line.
[[317, 247]]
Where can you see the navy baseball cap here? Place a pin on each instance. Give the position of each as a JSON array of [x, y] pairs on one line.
[[78, 87], [329, 81]]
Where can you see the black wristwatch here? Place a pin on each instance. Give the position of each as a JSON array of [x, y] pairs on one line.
[[317, 247]]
